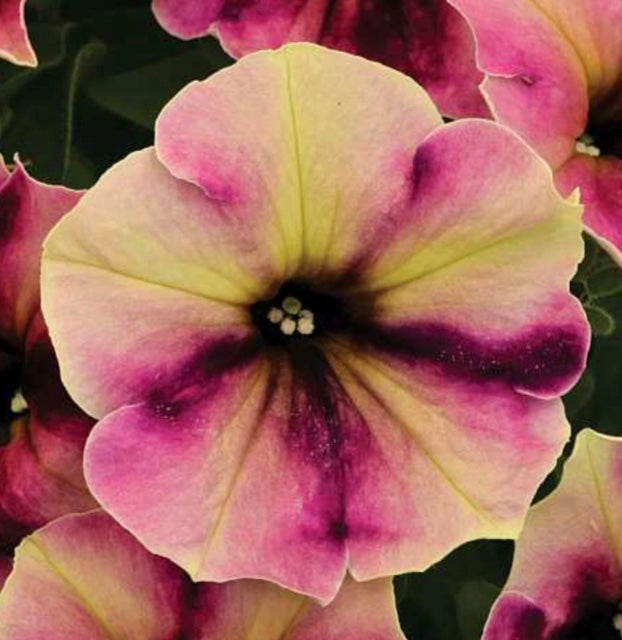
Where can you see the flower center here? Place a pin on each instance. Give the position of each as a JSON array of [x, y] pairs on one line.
[[601, 138], [603, 623], [298, 312], [12, 402]]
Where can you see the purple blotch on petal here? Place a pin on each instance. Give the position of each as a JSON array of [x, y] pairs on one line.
[[326, 431], [591, 609], [232, 9], [202, 375], [516, 618], [537, 360]]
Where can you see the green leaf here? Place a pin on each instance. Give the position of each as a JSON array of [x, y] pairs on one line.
[[140, 94], [50, 43], [601, 322], [580, 395], [80, 172], [606, 282], [473, 602], [42, 127]]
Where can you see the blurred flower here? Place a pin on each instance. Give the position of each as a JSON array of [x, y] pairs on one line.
[[14, 43], [555, 76], [426, 39], [566, 582], [42, 433], [86, 578], [323, 330]]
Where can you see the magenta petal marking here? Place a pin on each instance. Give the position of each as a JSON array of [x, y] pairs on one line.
[[428, 40], [543, 361], [515, 618]]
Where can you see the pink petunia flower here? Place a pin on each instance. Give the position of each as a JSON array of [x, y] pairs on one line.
[[42, 433], [14, 43], [555, 76], [426, 39], [322, 330], [86, 578], [566, 581]]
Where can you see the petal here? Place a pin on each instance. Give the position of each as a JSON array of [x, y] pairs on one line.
[[536, 83], [229, 445], [28, 210], [41, 467], [594, 30], [600, 183], [326, 143], [6, 566], [14, 43], [153, 269], [429, 41], [435, 473], [83, 576], [86, 578], [491, 254], [567, 558], [362, 611]]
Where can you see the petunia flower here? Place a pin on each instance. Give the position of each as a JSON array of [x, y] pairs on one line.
[[321, 329], [555, 76], [84, 577], [14, 43], [42, 433], [426, 39], [566, 581]]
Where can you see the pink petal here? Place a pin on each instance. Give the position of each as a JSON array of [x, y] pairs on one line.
[[41, 466], [567, 561], [600, 182], [535, 81], [429, 41], [86, 578], [6, 566], [14, 43], [28, 210]]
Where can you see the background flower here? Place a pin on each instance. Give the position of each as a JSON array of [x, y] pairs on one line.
[[14, 43], [427, 40], [566, 582], [555, 76], [83, 576], [435, 261], [42, 433]]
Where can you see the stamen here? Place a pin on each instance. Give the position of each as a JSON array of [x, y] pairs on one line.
[[18, 403], [305, 324], [275, 315], [288, 326], [585, 144], [291, 305]]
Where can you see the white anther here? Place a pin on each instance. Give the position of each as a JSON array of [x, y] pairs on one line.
[[305, 326], [275, 315], [291, 305], [617, 623], [18, 403], [585, 144], [587, 149], [305, 313], [288, 326]]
